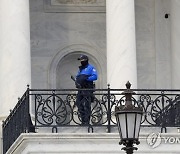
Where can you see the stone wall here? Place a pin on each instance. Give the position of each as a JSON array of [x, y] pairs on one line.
[[65, 36], [83, 143], [54, 32]]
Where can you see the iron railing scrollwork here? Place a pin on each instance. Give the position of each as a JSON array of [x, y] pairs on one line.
[[55, 108], [58, 108]]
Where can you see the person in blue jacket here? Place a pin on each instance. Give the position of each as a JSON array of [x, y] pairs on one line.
[[84, 80]]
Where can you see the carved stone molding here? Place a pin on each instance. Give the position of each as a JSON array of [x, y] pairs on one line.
[[78, 2], [74, 5]]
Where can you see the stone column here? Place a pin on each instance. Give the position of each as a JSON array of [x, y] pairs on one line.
[[15, 70], [121, 46], [175, 43]]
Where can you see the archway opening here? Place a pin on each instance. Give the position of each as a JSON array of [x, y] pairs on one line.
[[67, 66]]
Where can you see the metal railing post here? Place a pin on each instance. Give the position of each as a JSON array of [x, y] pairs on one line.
[[27, 110], [109, 110]]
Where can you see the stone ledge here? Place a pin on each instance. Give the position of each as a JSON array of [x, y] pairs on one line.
[[51, 6], [87, 143]]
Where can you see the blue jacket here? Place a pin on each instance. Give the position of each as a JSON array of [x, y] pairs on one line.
[[86, 75], [89, 71]]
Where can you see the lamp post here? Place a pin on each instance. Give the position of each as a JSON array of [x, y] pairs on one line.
[[128, 119]]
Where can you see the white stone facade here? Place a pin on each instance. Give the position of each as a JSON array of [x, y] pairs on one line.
[[40, 41], [91, 144]]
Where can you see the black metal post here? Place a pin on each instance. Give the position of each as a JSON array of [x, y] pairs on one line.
[[109, 109]]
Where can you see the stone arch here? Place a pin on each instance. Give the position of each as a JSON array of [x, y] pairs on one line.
[[96, 57]]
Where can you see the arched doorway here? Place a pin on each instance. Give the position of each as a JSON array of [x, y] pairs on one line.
[[68, 66], [65, 63]]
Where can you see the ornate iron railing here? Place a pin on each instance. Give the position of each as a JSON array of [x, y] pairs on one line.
[[17, 122], [56, 108]]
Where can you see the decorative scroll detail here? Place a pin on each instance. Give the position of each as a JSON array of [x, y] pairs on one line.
[[54, 110], [159, 109]]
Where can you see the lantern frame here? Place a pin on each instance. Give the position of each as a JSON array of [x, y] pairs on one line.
[[128, 119]]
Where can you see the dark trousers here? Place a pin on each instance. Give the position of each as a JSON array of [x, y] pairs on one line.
[[83, 102]]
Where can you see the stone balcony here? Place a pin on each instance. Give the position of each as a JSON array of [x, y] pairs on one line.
[[87, 143], [48, 120]]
